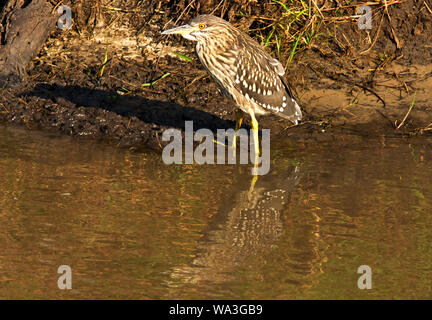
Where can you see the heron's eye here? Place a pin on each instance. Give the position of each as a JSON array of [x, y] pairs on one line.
[[201, 26]]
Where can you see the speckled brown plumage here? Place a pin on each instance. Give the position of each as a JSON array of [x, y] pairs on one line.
[[242, 68]]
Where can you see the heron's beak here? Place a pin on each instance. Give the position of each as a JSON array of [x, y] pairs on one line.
[[185, 31]]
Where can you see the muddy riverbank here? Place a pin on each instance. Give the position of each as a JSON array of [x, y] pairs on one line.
[[122, 83]]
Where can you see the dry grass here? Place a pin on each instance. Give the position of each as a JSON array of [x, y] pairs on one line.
[[287, 27], [296, 25]]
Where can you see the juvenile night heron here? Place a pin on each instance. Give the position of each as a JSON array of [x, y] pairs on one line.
[[244, 71]]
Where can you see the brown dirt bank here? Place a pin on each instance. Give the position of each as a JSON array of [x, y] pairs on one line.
[[345, 78]]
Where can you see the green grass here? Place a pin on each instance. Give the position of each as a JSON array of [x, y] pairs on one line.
[[182, 56], [152, 83], [288, 27], [104, 62]]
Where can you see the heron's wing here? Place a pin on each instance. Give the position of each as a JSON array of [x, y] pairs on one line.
[[261, 79], [280, 70]]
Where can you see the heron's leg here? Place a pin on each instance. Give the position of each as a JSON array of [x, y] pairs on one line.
[[252, 187], [255, 134], [239, 120]]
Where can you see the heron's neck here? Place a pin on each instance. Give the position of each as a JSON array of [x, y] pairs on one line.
[[216, 45]]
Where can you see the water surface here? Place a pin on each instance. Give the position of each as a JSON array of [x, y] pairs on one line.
[[130, 226]]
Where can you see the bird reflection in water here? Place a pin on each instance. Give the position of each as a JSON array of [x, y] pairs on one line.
[[247, 225]]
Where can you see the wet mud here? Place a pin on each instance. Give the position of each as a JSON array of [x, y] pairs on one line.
[[122, 83]]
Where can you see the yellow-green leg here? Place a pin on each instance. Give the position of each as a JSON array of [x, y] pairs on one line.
[[239, 120], [255, 134], [252, 187]]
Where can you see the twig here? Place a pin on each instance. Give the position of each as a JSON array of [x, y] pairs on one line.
[[391, 26], [428, 127], [427, 7], [316, 6], [217, 7], [371, 91], [353, 102], [366, 3], [376, 37], [409, 110], [4, 107]]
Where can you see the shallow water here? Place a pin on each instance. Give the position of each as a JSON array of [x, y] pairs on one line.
[[130, 226]]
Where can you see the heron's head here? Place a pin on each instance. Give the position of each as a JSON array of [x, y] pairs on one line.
[[202, 28]]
